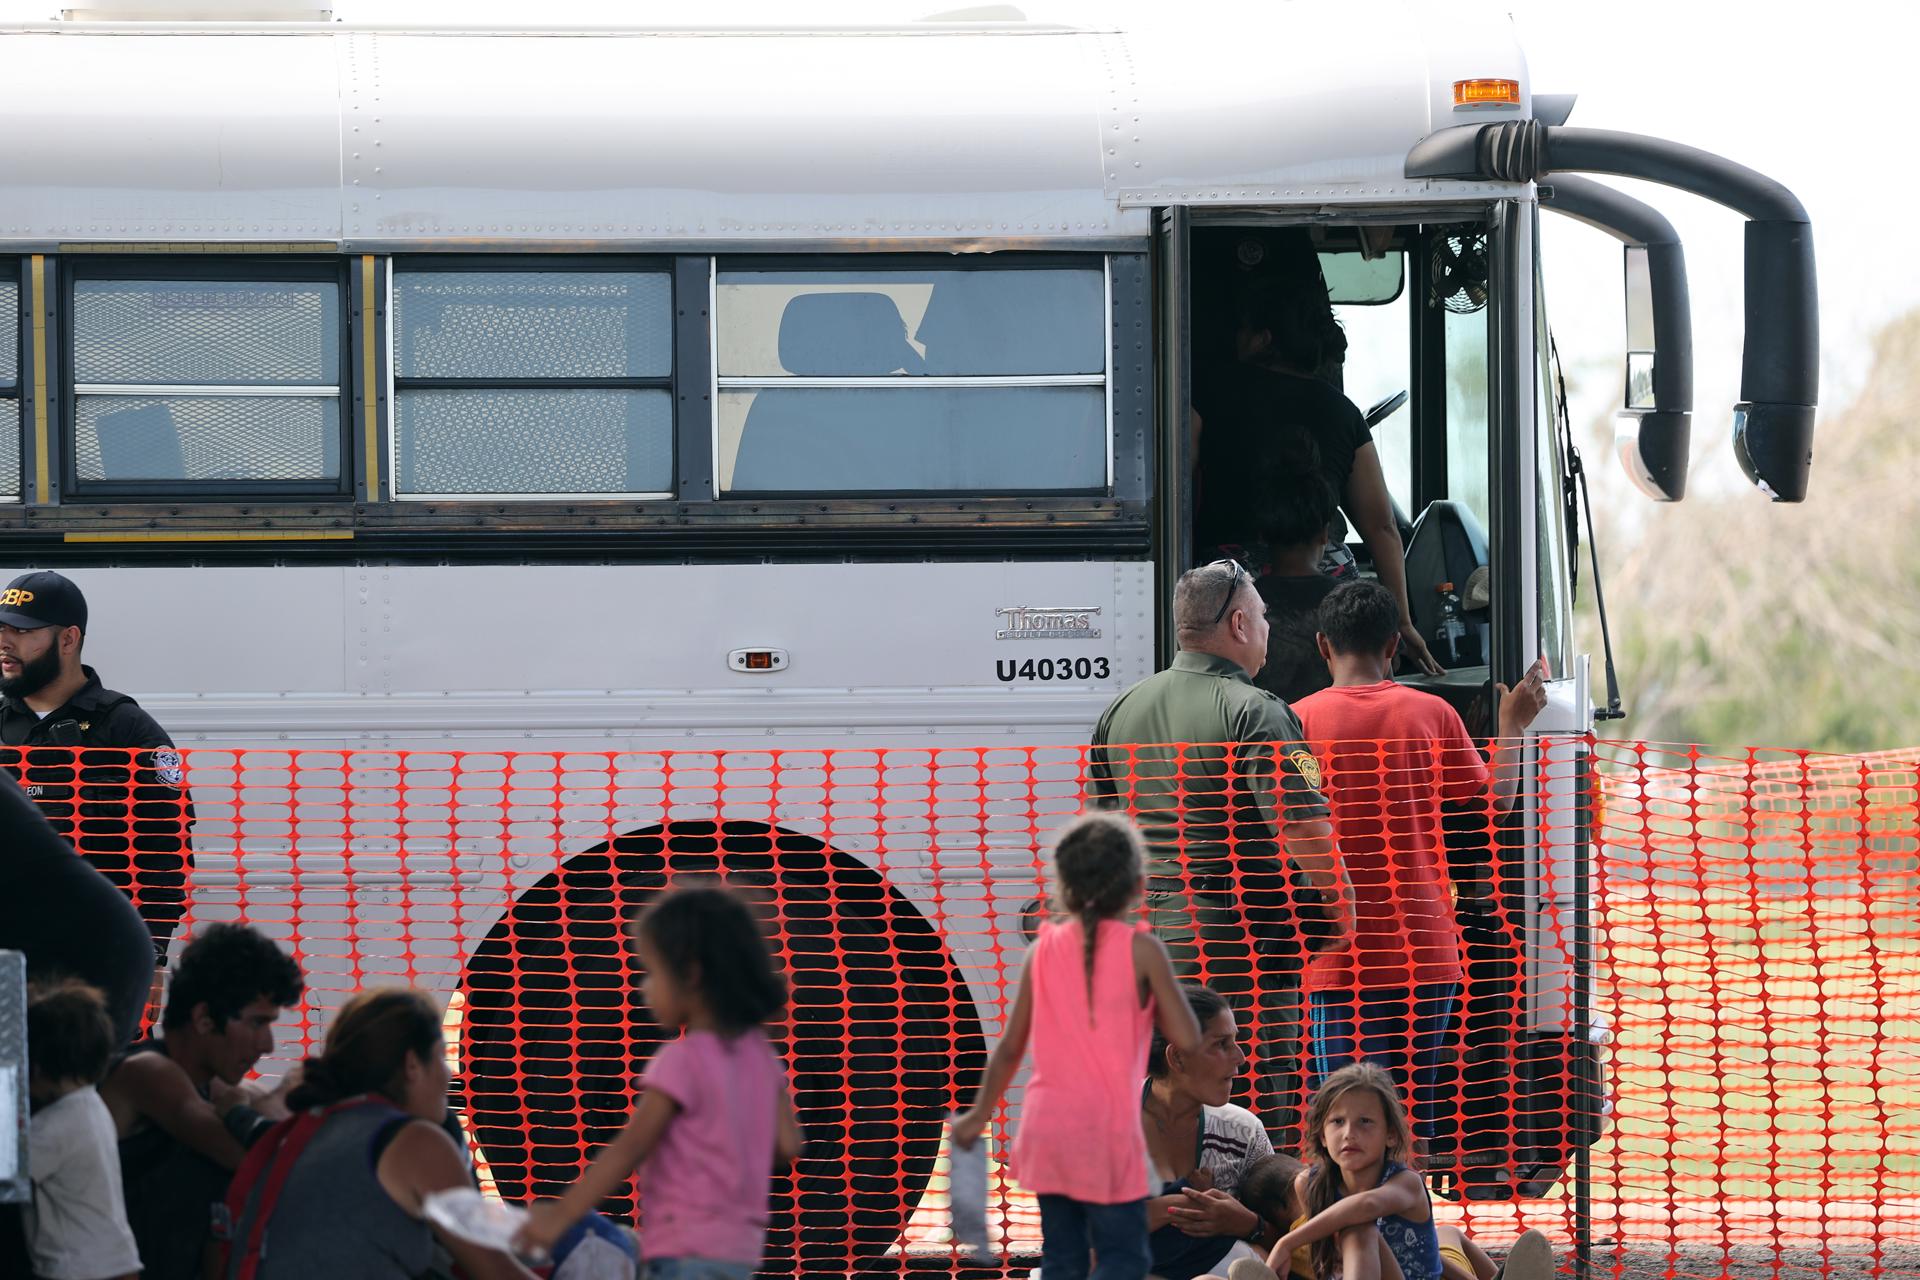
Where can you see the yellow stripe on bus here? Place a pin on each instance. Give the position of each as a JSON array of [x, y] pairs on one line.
[[369, 373], [202, 247], [42, 477], [212, 535]]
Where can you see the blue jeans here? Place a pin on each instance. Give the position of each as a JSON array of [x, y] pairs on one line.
[[1405, 1032], [1115, 1234], [695, 1269]]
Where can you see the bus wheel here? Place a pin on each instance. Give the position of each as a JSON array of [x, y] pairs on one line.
[[881, 1035]]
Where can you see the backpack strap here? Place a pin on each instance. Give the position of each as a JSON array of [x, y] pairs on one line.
[[262, 1176]]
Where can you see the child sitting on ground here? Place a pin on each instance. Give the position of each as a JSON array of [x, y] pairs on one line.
[[1267, 1189], [76, 1226], [1366, 1213]]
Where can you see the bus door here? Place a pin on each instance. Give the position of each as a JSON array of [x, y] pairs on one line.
[[1175, 443], [1530, 1100], [1406, 296]]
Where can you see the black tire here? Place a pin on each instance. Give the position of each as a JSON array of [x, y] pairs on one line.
[[881, 1036]]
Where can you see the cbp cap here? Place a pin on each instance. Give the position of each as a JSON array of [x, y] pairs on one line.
[[42, 599]]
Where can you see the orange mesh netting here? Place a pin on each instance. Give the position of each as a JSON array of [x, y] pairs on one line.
[[1689, 1044]]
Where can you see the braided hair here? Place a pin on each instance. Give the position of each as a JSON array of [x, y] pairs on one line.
[[1100, 867]]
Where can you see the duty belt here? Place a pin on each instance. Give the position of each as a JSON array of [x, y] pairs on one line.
[[1210, 884]]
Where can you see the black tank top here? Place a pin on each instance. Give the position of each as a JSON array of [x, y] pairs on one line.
[[171, 1190]]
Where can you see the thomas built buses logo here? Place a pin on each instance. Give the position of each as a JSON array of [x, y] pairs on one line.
[[1052, 622]]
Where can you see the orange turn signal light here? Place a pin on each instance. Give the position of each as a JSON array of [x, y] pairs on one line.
[[1486, 93]]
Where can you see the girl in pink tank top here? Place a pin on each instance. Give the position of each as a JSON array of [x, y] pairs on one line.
[[1094, 984]]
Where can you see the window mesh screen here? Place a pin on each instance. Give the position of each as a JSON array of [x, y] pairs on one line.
[[490, 440], [206, 437], [9, 448], [9, 331], [9, 378], [532, 324], [205, 331]]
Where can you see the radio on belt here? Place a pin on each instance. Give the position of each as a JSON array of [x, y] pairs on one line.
[[757, 660]]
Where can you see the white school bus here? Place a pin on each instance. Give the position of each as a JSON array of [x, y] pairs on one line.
[[571, 407]]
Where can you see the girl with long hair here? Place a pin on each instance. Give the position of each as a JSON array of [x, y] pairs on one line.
[[1367, 1212], [1368, 1216], [1095, 983], [716, 1117]]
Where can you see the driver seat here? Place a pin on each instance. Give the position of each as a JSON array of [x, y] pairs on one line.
[[1447, 545]]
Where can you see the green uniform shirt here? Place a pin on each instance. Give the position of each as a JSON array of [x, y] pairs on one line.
[[1214, 800]]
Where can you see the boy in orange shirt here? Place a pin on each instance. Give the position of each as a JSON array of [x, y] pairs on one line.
[[1393, 756]]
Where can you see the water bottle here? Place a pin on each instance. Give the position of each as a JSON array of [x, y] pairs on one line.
[[1452, 630]]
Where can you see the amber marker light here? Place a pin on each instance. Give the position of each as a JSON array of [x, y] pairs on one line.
[[1486, 93]]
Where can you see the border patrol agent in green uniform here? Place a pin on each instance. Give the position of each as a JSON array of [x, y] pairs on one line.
[[1241, 873]]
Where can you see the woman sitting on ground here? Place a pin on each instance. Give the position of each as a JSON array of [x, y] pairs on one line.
[[352, 1202], [1205, 1150]]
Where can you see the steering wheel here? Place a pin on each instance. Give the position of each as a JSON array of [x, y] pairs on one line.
[[1385, 409]]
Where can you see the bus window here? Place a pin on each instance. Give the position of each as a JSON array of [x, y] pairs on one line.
[[9, 389], [1377, 367], [1467, 460], [206, 380], [1553, 579], [931, 380], [515, 383]]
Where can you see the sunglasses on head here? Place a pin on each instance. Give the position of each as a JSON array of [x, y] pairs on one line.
[[1233, 589]]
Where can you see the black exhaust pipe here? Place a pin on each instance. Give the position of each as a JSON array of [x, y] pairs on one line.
[[1780, 366]]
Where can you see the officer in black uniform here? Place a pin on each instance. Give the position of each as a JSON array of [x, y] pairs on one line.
[[103, 772]]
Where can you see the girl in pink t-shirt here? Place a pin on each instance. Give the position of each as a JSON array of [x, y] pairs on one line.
[[716, 1116], [1094, 983]]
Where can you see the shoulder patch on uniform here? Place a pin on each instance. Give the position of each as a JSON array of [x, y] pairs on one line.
[[1309, 767], [166, 764]]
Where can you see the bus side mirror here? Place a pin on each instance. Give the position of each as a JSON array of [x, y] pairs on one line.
[[1655, 423], [1773, 443], [1780, 368], [1780, 363], [1652, 432]]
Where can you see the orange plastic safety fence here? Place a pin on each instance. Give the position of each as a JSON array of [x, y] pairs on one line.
[[1660, 1003]]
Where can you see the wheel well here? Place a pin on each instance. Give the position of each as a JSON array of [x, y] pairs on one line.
[[881, 1035]]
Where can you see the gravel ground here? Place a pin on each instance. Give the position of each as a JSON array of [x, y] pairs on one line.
[[1755, 1262], [1651, 1262]]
